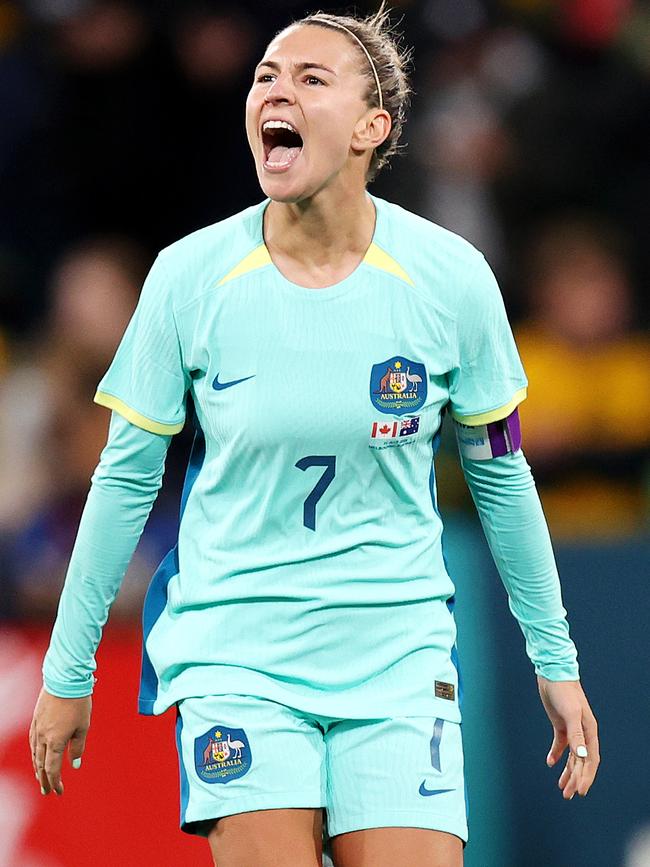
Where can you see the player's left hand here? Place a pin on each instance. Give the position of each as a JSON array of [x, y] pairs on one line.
[[574, 725]]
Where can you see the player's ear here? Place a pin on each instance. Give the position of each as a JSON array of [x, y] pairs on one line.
[[371, 130]]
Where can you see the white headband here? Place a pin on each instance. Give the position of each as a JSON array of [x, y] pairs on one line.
[[365, 51]]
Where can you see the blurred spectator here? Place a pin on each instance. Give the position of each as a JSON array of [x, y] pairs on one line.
[[51, 432], [587, 418], [214, 48], [103, 35], [462, 141], [215, 52], [580, 139], [87, 156]]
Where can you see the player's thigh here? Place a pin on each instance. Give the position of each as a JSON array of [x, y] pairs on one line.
[[268, 838], [252, 779], [388, 847], [396, 786]]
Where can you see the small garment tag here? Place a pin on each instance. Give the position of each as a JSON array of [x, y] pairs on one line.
[[445, 690]]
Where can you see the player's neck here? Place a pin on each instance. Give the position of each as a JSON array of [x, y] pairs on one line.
[[321, 231]]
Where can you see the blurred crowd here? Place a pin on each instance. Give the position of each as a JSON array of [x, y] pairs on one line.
[[121, 129]]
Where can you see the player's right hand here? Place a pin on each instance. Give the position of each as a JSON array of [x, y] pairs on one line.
[[57, 722]]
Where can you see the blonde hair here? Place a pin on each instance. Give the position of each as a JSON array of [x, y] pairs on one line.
[[386, 63]]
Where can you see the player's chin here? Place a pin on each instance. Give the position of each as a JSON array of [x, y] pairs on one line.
[[285, 196], [288, 186]]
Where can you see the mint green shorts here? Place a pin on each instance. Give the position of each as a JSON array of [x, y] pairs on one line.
[[239, 753]]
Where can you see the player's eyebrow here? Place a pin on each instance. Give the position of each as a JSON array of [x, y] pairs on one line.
[[308, 64]]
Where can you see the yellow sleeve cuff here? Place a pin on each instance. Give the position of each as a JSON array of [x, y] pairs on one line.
[[135, 417], [493, 414]]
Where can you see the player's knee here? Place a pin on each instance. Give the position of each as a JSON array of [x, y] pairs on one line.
[[268, 838]]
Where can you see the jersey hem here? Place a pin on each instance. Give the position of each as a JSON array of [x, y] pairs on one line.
[[492, 414], [135, 417], [384, 702]]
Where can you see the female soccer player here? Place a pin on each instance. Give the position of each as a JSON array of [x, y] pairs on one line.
[[303, 624]]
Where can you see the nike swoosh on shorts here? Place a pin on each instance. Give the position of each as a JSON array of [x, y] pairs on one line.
[[425, 791], [219, 385]]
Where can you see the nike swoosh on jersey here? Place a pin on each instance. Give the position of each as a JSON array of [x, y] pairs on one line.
[[219, 385], [425, 791]]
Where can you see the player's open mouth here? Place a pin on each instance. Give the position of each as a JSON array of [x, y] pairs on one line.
[[282, 145]]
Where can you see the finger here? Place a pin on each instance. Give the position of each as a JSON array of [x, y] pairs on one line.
[[566, 773], [593, 754], [53, 762], [557, 747], [576, 770], [41, 751], [578, 754], [576, 735], [76, 749], [32, 747]]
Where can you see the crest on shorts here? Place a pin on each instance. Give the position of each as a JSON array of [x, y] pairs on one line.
[[222, 755], [398, 385]]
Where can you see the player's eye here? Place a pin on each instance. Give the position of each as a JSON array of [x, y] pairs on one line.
[[265, 77], [311, 79]]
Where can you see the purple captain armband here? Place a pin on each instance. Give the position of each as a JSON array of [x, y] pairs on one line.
[[484, 441]]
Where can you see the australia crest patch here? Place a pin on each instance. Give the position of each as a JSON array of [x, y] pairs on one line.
[[398, 385], [222, 755]]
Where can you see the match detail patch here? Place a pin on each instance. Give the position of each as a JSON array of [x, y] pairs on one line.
[[386, 433], [484, 441], [222, 755]]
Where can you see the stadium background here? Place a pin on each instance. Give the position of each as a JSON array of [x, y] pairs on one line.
[[121, 129]]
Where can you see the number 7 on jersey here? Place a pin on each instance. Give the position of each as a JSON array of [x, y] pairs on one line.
[[327, 461]]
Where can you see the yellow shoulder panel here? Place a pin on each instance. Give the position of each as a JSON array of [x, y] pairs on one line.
[[258, 258], [379, 258], [494, 414], [135, 417]]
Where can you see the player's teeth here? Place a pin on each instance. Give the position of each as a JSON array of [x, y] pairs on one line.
[[278, 124]]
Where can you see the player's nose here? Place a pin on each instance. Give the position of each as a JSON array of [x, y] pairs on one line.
[[281, 90]]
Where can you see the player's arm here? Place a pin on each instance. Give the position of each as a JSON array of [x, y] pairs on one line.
[[504, 492], [486, 384], [124, 487]]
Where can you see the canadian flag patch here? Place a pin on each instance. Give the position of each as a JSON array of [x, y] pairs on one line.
[[383, 430]]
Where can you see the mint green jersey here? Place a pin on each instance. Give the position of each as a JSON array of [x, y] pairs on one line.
[[309, 567]]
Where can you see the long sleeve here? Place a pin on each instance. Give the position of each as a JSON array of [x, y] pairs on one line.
[[123, 490], [508, 505]]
